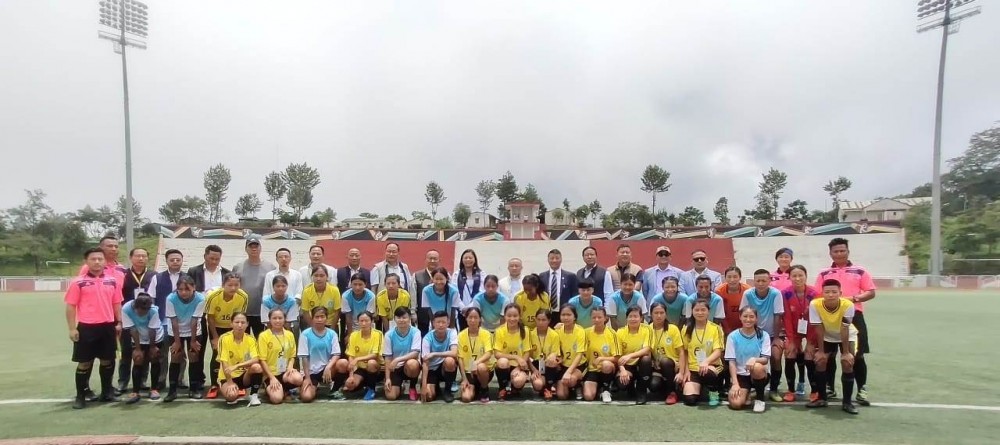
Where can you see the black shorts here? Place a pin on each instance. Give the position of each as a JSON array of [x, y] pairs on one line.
[[396, 376], [703, 380], [859, 323], [435, 376], [582, 368], [316, 378], [97, 341], [238, 381], [596, 376], [744, 381], [285, 386]]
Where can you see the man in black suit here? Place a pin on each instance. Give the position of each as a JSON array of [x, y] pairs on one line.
[[602, 279], [353, 266], [560, 284], [209, 275], [422, 279]]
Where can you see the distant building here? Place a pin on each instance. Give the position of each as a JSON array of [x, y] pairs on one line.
[[425, 223], [523, 223], [366, 223], [559, 217], [481, 220], [885, 209]]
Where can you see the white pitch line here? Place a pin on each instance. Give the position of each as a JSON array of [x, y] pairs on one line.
[[525, 402]]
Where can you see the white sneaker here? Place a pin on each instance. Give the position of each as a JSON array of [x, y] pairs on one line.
[[758, 406], [254, 400], [606, 397]]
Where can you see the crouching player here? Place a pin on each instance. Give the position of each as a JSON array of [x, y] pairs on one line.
[[277, 350], [401, 353], [142, 320], [748, 350], [240, 364], [832, 317]]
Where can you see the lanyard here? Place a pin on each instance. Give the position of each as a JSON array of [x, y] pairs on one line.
[[659, 338], [392, 303], [472, 347], [701, 340], [139, 278]]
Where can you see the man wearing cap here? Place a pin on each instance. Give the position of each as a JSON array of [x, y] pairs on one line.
[[252, 272], [699, 261], [624, 265], [655, 275], [603, 287]]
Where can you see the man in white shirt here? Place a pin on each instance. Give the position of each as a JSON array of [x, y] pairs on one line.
[[603, 285], [699, 259], [390, 265], [284, 258], [653, 284], [511, 284], [316, 254], [560, 284]]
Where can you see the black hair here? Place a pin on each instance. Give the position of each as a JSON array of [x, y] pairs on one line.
[[761, 272], [440, 314], [279, 278], [107, 237], [440, 270], [475, 262], [838, 242], [134, 250], [782, 251], [316, 310], [601, 310], [401, 311], [475, 309], [492, 278], [670, 278], [799, 267], [733, 269], [86, 253], [703, 278], [585, 283], [555, 251], [142, 301], [622, 246], [627, 277], [171, 252], [244, 314], [318, 268], [585, 249], [571, 309], [666, 322], [691, 321], [272, 311], [283, 249], [213, 248], [235, 276], [392, 275], [534, 280], [831, 282], [756, 329], [632, 309], [359, 276], [317, 246], [520, 324], [371, 316], [185, 279], [545, 312]]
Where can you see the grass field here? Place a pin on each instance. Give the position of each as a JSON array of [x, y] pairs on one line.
[[916, 360]]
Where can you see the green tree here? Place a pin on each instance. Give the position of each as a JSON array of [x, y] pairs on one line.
[[917, 225], [117, 222], [506, 192], [595, 210], [691, 216], [835, 189], [770, 189], [581, 213], [95, 222], [216, 183], [302, 180], [434, 195], [629, 214], [566, 206], [416, 214], [326, 217], [276, 188], [444, 224], [559, 215], [530, 194], [368, 215], [665, 218], [27, 216], [187, 209], [461, 214], [721, 211], [796, 210], [395, 218], [655, 180], [248, 205], [976, 173], [485, 191]]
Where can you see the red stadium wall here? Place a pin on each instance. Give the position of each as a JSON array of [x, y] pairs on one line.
[[720, 252]]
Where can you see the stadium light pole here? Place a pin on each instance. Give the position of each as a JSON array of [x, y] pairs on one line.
[[125, 22], [949, 24]]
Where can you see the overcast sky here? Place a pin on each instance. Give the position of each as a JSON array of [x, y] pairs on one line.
[[575, 97]]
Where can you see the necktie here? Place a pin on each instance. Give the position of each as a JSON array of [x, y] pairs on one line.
[[554, 289]]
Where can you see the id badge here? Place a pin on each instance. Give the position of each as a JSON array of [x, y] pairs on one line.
[[700, 355], [803, 325], [282, 364], [541, 365]]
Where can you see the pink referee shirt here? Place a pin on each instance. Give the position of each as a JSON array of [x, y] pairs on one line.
[[781, 280], [95, 297], [854, 280]]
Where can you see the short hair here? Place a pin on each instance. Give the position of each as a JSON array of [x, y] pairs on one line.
[[838, 242], [132, 252], [585, 283], [172, 252], [142, 301], [585, 249], [92, 250], [440, 314], [279, 279], [401, 312], [107, 237], [761, 272], [622, 246], [316, 310], [783, 250], [831, 282], [699, 250], [317, 246], [213, 248], [739, 272], [555, 251], [627, 277], [702, 278], [232, 276], [359, 276], [392, 243], [283, 249]]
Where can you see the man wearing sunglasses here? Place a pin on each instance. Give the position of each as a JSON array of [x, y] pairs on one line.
[[699, 259], [653, 284]]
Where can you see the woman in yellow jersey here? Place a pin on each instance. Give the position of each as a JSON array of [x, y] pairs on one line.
[[704, 343], [388, 300], [475, 353], [220, 305], [240, 363], [547, 355], [530, 299], [602, 354], [636, 363], [572, 345], [512, 349], [364, 357], [321, 294], [668, 351], [277, 350]]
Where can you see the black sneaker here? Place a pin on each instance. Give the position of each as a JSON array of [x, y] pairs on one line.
[[182, 385], [448, 396], [79, 403], [108, 397], [640, 399], [849, 408], [90, 396], [818, 403], [120, 389], [196, 394], [171, 396]]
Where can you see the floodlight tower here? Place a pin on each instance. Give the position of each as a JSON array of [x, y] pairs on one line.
[[125, 22], [928, 11]]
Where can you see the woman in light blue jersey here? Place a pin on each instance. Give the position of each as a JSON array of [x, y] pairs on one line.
[[769, 305], [442, 296], [490, 303], [584, 302], [673, 301], [319, 350], [626, 297], [401, 351], [281, 300], [141, 320], [748, 351], [356, 301]]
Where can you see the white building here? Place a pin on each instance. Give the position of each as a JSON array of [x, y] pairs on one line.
[[559, 217], [425, 223], [481, 220], [886, 209], [366, 223]]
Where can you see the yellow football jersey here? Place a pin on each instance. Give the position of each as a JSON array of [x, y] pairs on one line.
[[510, 342], [542, 349], [572, 344], [702, 343], [604, 344], [330, 298], [629, 342], [358, 346], [472, 349], [232, 352], [667, 343], [530, 307], [217, 306], [276, 351], [385, 308], [832, 320]]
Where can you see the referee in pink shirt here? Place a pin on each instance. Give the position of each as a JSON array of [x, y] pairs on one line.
[[858, 286], [93, 316]]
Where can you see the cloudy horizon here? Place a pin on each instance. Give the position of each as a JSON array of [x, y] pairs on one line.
[[573, 97]]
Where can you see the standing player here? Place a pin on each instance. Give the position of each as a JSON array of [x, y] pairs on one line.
[[717, 309], [281, 300], [770, 311], [797, 298], [531, 299], [732, 296], [185, 308], [141, 322], [672, 300], [220, 306], [748, 351], [781, 278], [321, 293], [585, 301], [357, 300], [856, 285], [832, 317], [401, 353], [441, 296], [93, 316]]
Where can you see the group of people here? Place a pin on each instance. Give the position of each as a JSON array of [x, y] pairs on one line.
[[675, 335]]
